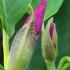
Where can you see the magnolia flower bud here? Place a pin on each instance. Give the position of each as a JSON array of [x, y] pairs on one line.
[[50, 41], [38, 17], [22, 48]]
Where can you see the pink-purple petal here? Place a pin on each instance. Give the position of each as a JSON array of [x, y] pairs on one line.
[[38, 17], [51, 29]]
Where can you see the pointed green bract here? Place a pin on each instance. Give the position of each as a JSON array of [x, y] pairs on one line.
[[22, 48]]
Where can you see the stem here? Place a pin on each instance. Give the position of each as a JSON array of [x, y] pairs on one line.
[[50, 66], [67, 65], [62, 61], [5, 48]]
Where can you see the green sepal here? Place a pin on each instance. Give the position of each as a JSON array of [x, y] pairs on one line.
[[22, 48]]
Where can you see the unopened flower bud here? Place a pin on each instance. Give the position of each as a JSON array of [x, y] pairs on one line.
[[22, 48], [50, 41]]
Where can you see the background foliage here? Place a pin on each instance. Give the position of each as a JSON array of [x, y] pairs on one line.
[[62, 19]]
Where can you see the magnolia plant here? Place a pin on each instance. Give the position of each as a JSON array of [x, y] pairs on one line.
[[30, 31], [23, 45]]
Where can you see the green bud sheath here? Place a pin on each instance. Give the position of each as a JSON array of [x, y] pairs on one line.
[[49, 41], [49, 44], [22, 48]]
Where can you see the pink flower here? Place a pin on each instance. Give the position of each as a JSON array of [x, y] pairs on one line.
[[38, 17]]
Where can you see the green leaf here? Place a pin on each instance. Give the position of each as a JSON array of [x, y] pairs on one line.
[[11, 12], [52, 7], [1, 67]]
